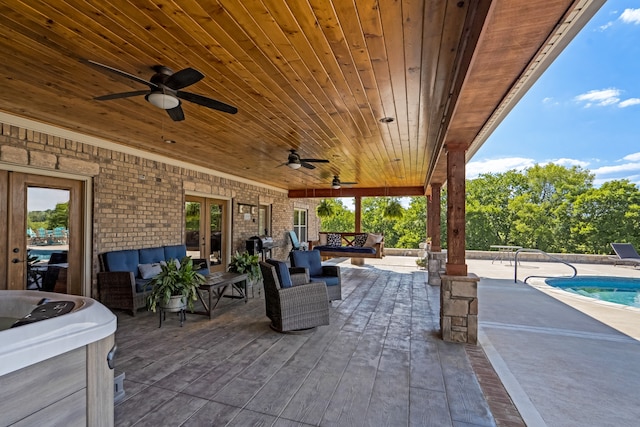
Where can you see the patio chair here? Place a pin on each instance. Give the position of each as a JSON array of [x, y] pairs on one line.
[[625, 253], [290, 303], [311, 263], [297, 246]]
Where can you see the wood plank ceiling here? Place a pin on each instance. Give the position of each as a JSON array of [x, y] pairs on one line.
[[312, 75]]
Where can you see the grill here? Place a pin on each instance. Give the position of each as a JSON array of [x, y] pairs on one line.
[[259, 245]]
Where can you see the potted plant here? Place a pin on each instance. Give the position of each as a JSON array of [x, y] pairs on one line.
[[244, 262], [177, 281]]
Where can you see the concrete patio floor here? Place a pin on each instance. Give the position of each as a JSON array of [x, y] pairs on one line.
[[566, 360]]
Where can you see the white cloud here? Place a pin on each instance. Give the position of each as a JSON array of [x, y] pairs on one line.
[[633, 157], [630, 16], [605, 26], [497, 166], [609, 170], [601, 97], [629, 102], [570, 162]]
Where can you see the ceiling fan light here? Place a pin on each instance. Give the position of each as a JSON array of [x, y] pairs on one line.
[[162, 100], [293, 165], [335, 186]]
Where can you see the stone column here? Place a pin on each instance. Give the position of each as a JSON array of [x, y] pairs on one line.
[[459, 308]]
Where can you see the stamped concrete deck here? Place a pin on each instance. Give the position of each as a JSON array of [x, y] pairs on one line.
[[379, 363]]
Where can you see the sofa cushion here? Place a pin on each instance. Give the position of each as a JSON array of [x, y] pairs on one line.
[[334, 239], [308, 259], [175, 251], [373, 239], [360, 240], [143, 285], [282, 271], [149, 271], [151, 255], [126, 260]]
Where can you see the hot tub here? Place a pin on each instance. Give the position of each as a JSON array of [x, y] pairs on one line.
[[56, 369]]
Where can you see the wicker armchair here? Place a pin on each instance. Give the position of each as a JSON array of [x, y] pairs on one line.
[[299, 307]]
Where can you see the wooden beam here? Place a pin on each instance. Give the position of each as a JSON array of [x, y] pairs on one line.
[[433, 217], [357, 192], [456, 209]]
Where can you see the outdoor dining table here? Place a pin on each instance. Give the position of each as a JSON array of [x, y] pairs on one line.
[[505, 252], [216, 286]]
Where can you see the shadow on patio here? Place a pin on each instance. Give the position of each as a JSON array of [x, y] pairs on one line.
[[380, 362]]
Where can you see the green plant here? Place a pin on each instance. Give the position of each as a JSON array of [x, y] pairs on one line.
[[393, 210], [175, 281], [244, 262], [421, 262], [324, 209]]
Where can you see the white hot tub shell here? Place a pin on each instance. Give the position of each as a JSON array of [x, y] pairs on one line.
[[56, 369]]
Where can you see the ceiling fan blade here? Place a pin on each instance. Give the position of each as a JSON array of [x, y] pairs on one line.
[[123, 74], [348, 183], [314, 160], [184, 78], [121, 95], [307, 165], [206, 102], [176, 114]]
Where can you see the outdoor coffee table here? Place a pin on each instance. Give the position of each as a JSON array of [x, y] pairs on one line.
[[217, 284]]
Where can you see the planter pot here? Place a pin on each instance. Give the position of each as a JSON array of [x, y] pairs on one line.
[[176, 303]]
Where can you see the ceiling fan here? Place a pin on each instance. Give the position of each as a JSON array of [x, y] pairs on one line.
[[336, 183], [294, 161], [165, 90]]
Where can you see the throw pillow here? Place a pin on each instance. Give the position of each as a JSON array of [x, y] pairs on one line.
[[175, 261], [322, 240], [334, 239], [148, 271], [373, 239], [360, 240], [282, 271]]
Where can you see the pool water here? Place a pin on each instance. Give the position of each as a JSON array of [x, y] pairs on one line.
[[619, 290]]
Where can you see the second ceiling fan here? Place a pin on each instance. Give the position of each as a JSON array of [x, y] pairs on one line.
[[295, 162], [336, 183]]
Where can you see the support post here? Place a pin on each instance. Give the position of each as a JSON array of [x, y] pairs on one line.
[[433, 217], [456, 209]]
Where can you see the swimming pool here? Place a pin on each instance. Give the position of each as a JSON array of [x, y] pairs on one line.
[[620, 290]]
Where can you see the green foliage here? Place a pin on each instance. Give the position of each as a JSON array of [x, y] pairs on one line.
[[342, 220], [49, 219], [174, 281], [244, 262], [325, 208]]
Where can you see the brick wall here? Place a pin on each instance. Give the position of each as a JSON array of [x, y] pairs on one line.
[[139, 202]]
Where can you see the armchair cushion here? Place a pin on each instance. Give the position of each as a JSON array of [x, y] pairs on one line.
[[308, 259], [175, 251], [282, 271]]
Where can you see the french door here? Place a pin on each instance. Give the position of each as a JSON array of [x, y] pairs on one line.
[[41, 238], [206, 226]]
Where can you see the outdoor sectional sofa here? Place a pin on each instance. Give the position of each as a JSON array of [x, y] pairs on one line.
[[351, 245], [123, 280]]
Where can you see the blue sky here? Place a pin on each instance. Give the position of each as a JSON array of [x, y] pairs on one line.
[[584, 110]]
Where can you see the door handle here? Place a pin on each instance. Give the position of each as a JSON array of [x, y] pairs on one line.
[[16, 260]]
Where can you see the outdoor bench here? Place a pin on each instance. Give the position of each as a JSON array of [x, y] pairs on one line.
[[123, 280], [350, 245]]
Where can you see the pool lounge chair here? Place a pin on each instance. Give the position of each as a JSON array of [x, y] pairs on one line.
[[626, 253]]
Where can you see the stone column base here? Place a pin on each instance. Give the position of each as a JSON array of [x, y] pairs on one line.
[[435, 267], [459, 308]]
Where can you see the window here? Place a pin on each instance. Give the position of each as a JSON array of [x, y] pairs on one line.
[[300, 224], [264, 220]]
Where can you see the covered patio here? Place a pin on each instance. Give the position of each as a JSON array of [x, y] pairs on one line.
[[381, 362]]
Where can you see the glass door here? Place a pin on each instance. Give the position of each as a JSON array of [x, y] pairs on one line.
[[44, 233], [205, 225]]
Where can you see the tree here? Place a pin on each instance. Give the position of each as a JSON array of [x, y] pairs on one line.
[[412, 227], [604, 215], [342, 219], [58, 217]]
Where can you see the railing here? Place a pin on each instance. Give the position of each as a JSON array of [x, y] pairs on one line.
[[515, 278]]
